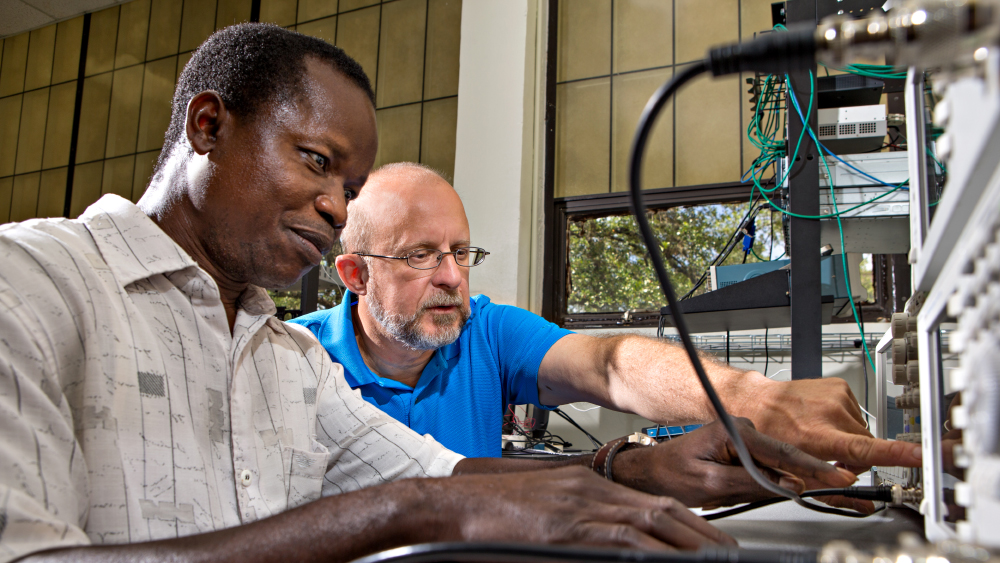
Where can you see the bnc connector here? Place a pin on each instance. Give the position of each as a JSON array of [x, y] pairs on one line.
[[909, 495]]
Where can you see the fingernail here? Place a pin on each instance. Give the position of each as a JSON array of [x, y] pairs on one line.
[[850, 476], [917, 453], [792, 483]]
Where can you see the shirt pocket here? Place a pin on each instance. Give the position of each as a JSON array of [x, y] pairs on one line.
[[304, 472]]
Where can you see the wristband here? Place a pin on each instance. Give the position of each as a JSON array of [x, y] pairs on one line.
[[601, 464]]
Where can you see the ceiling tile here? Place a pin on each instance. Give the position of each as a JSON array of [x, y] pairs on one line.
[[62, 9], [19, 17], [25, 15]]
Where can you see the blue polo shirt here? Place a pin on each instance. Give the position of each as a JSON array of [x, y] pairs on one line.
[[461, 394]]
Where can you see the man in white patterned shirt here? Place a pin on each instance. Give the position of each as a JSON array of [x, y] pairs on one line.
[[152, 407]]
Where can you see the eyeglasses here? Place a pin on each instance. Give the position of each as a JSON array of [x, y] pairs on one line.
[[428, 258]]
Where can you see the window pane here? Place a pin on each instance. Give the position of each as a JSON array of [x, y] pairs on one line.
[[101, 44], [197, 23], [132, 26], [31, 139], [59, 125], [358, 37], [123, 121], [24, 201], [437, 143], [584, 39], [232, 12], [94, 118], [281, 12], [631, 92], [66, 63], [643, 34], [325, 29], [399, 134], [117, 178], [444, 30], [583, 124], [86, 187], [10, 108], [144, 164], [313, 9], [346, 5], [15, 57], [52, 193], [708, 132], [41, 46], [702, 24], [401, 53], [157, 92], [6, 187], [166, 30], [610, 270]]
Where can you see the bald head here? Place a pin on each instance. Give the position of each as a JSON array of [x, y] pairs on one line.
[[395, 197]]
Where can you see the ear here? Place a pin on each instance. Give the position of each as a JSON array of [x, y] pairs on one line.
[[206, 115], [353, 272]]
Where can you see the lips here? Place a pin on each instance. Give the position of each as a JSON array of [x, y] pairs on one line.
[[315, 243]]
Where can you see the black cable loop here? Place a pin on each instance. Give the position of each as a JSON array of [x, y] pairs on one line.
[[646, 121]]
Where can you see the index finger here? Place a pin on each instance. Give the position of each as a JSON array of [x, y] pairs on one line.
[[852, 449], [786, 457]]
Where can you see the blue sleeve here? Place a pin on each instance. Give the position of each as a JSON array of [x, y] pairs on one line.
[[311, 321], [315, 322], [521, 339]]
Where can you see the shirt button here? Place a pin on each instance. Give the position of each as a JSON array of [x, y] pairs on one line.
[[246, 477]]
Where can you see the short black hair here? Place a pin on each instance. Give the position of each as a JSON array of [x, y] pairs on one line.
[[251, 65]]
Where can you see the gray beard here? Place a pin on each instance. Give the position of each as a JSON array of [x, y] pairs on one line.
[[407, 330]]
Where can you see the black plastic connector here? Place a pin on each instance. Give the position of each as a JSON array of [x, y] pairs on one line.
[[771, 53], [881, 493]]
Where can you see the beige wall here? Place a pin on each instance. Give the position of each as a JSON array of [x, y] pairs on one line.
[[612, 55], [409, 48], [38, 79]]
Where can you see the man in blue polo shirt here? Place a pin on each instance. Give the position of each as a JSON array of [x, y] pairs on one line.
[[415, 344], [460, 394]]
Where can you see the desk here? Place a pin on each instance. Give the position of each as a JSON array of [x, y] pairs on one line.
[[788, 525]]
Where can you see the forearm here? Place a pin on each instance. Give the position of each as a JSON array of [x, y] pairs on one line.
[[656, 380], [479, 465], [340, 528]]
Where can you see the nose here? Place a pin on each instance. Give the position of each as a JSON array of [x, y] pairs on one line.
[[333, 207], [449, 274]]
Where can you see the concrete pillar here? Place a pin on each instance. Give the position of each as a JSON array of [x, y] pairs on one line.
[[497, 162]]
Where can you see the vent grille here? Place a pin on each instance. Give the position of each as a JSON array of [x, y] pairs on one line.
[[865, 128], [846, 129], [827, 130]]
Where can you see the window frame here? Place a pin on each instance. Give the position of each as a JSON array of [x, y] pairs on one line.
[[565, 209]]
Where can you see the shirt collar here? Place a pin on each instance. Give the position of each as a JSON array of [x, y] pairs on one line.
[[135, 248]]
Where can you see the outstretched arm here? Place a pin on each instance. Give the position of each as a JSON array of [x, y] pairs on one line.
[[655, 379]]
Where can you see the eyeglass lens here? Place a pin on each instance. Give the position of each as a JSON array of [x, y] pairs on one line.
[[428, 258]]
